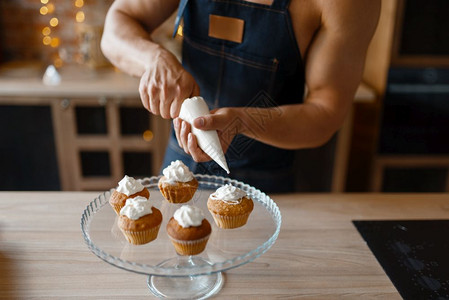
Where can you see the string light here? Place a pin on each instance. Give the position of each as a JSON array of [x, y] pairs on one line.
[[54, 22], [50, 8], [58, 62], [46, 31], [46, 40], [79, 3], [55, 42], [43, 10], [49, 39], [80, 17]]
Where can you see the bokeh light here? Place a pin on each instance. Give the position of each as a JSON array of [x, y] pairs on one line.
[[147, 135], [79, 3], [80, 17], [51, 8], [54, 22], [58, 62], [55, 42], [46, 40], [43, 10], [46, 30]]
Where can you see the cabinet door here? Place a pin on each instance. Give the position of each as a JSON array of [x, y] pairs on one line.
[[101, 140], [27, 149]]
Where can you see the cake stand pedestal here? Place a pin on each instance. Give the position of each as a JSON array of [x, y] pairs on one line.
[[185, 287]]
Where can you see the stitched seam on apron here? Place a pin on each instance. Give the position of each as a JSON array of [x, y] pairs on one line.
[[260, 6], [229, 56]]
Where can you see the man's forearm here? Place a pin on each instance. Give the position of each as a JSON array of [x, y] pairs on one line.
[[126, 44], [291, 126], [126, 40]]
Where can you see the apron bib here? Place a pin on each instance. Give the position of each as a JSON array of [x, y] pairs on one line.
[[243, 54]]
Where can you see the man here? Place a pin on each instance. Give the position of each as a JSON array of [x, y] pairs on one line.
[[250, 60]]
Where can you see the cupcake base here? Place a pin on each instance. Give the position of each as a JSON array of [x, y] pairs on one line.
[[230, 222], [189, 247], [117, 207], [141, 237]]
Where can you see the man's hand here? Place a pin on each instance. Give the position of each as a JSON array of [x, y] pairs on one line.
[[165, 84], [218, 119]]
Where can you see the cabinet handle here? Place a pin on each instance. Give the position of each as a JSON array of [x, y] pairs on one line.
[[65, 103], [102, 100]]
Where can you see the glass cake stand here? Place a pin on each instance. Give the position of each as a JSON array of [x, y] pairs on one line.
[[183, 277]]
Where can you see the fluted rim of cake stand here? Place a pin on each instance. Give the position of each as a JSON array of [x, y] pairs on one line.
[[203, 180]]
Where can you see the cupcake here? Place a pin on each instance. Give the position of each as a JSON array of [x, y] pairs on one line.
[[188, 230], [230, 207], [128, 187], [139, 221], [177, 185]]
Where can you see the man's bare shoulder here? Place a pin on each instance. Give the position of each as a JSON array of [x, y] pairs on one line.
[[145, 11], [352, 16]]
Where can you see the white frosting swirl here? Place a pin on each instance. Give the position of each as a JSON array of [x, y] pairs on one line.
[[177, 171], [129, 185], [188, 216], [136, 208], [229, 194]]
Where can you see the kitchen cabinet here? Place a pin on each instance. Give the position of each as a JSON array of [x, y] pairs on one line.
[[408, 67], [100, 129], [27, 149]]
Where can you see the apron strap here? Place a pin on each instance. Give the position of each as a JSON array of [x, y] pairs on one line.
[[280, 4], [181, 9]]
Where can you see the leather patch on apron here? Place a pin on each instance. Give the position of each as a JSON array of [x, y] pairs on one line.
[[226, 28]]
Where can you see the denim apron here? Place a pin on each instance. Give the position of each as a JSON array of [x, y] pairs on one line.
[[264, 71]]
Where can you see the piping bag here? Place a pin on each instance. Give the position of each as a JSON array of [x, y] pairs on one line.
[[208, 141]]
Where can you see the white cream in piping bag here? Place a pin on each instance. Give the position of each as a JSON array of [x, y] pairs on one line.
[[208, 141], [229, 194], [177, 171], [188, 216], [136, 208], [128, 186]]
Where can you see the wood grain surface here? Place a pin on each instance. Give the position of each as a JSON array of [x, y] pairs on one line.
[[318, 255]]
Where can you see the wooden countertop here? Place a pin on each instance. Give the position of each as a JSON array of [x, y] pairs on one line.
[[25, 79], [319, 254]]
